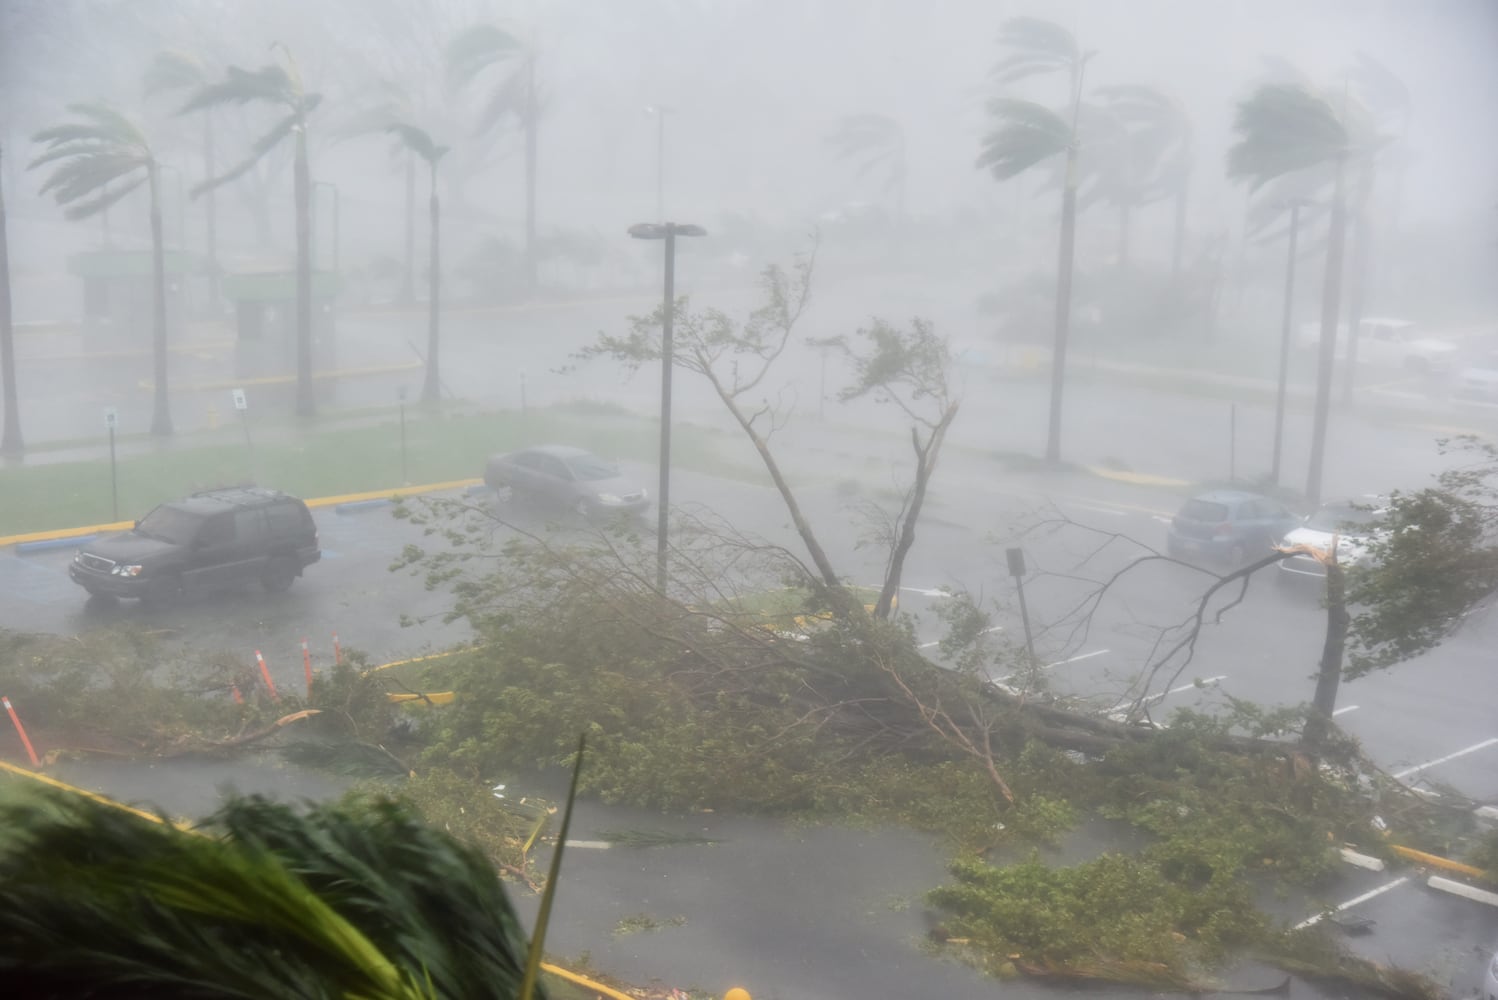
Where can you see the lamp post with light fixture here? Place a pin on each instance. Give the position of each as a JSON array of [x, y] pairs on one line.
[[667, 231]]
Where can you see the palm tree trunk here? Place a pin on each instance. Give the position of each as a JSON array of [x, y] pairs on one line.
[[212, 213], [408, 278], [532, 121], [306, 402], [1179, 244], [161, 417], [1063, 303], [431, 390], [1331, 302], [1361, 248], [1329, 674], [10, 437]]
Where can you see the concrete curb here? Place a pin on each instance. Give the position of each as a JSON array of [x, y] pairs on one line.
[[1463, 889], [358, 505], [62, 537], [24, 548]]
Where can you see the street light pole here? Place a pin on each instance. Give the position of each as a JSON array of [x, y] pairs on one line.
[[660, 112], [667, 231], [1279, 402]]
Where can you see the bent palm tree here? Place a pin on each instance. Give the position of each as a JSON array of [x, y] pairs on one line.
[[1026, 134], [102, 156], [173, 70], [875, 142], [337, 901], [421, 144], [1282, 129], [280, 86], [469, 56], [1160, 134], [10, 435]]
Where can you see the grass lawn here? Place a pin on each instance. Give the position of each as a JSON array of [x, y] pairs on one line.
[[341, 459]]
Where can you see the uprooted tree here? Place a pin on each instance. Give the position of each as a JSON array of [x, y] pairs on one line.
[[1431, 559]]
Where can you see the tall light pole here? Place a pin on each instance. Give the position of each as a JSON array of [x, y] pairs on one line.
[[667, 231], [660, 111], [1279, 401]]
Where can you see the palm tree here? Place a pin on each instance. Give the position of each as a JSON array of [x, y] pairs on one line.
[[469, 56], [174, 70], [1159, 134], [1026, 134], [390, 105], [10, 435], [280, 86], [344, 900], [421, 144], [103, 156], [1284, 128], [874, 142]]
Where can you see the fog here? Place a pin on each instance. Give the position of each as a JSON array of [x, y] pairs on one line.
[[753, 92]]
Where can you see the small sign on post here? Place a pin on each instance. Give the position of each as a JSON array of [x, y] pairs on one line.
[[112, 421], [243, 406]]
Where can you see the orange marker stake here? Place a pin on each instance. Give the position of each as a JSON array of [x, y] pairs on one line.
[[337, 649], [269, 684], [307, 666], [238, 698], [22, 730]]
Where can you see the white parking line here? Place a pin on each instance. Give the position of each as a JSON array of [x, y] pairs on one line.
[[1399, 775], [926, 591], [937, 642], [1074, 659], [1347, 708], [1155, 698], [1311, 921], [596, 845]]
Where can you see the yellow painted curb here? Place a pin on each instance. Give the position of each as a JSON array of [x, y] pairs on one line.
[[95, 796], [1137, 478], [573, 977], [99, 529], [1436, 861], [421, 659], [430, 698], [402, 366]]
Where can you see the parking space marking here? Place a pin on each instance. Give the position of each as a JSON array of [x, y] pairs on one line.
[[1401, 775], [937, 642], [1157, 698], [1347, 708], [1354, 901], [1074, 659]]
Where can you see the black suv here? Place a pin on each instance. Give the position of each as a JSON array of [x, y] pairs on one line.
[[213, 540]]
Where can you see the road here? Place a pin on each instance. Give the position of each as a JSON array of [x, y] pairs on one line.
[[1429, 720]]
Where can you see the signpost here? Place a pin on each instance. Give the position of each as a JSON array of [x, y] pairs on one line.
[[405, 479], [1016, 559], [243, 406], [112, 421]]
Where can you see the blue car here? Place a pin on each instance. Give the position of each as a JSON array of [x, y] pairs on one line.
[[1228, 526]]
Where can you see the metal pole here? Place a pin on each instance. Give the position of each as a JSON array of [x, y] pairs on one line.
[[1279, 403], [663, 499], [1232, 441], [660, 164], [404, 477], [1024, 616], [114, 482], [337, 232]]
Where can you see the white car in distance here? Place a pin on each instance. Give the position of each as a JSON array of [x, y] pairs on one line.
[[1389, 343], [1353, 523]]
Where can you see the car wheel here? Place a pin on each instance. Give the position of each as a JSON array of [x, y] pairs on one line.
[[164, 592], [279, 575]]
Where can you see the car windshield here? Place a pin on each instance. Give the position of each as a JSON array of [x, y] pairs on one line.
[[1204, 510], [1342, 518], [170, 524], [588, 468]]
